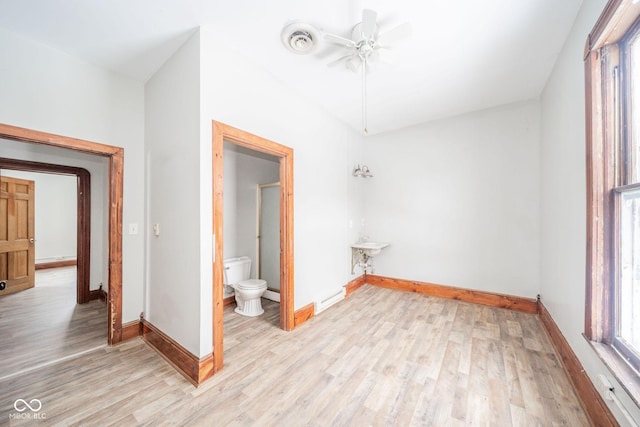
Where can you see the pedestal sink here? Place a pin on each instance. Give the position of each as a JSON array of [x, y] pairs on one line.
[[370, 248], [362, 251]]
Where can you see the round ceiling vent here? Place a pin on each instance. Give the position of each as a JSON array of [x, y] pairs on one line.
[[300, 38]]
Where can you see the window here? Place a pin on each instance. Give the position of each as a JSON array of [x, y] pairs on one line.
[[626, 336], [612, 64], [625, 221]]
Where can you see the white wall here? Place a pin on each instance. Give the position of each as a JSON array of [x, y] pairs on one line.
[[355, 210], [563, 244], [242, 174], [172, 126], [458, 200], [47, 90], [56, 201]]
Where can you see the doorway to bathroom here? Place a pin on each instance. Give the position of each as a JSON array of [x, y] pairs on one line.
[[283, 156]]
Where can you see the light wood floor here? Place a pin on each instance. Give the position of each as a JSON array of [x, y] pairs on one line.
[[380, 357], [44, 323]]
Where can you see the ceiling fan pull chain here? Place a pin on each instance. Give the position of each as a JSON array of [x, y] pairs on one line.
[[364, 96], [366, 43]]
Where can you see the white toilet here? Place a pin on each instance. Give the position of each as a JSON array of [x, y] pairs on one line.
[[247, 291]]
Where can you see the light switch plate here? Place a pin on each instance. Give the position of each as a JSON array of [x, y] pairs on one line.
[[133, 229]]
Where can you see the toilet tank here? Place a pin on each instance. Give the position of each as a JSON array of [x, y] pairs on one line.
[[236, 270]]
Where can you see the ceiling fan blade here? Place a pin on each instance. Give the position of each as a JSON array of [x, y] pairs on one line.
[[389, 37], [332, 38], [368, 23], [340, 60]]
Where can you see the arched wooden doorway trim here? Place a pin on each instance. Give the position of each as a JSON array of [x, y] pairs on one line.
[[83, 216], [116, 165], [221, 133]]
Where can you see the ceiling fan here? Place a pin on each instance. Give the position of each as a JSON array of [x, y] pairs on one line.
[[366, 44], [365, 47]]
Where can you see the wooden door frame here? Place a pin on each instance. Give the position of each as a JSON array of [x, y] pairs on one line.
[[116, 166], [83, 215], [221, 133]]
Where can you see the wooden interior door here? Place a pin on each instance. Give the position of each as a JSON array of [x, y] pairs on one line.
[[17, 231]]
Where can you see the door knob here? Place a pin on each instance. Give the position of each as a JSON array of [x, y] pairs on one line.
[[32, 240]]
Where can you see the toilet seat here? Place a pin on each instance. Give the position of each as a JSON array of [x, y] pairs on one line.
[[248, 294], [251, 284]]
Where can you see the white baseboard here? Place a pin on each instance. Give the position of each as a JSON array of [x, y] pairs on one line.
[[271, 295]]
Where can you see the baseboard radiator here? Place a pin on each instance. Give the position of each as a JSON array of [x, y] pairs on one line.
[[328, 301]]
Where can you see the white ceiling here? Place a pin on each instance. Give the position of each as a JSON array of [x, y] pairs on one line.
[[464, 55]]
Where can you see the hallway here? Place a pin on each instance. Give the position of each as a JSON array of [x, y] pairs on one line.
[[44, 323]]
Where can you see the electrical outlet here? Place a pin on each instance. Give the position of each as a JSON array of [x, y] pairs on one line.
[[133, 229], [605, 387]]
